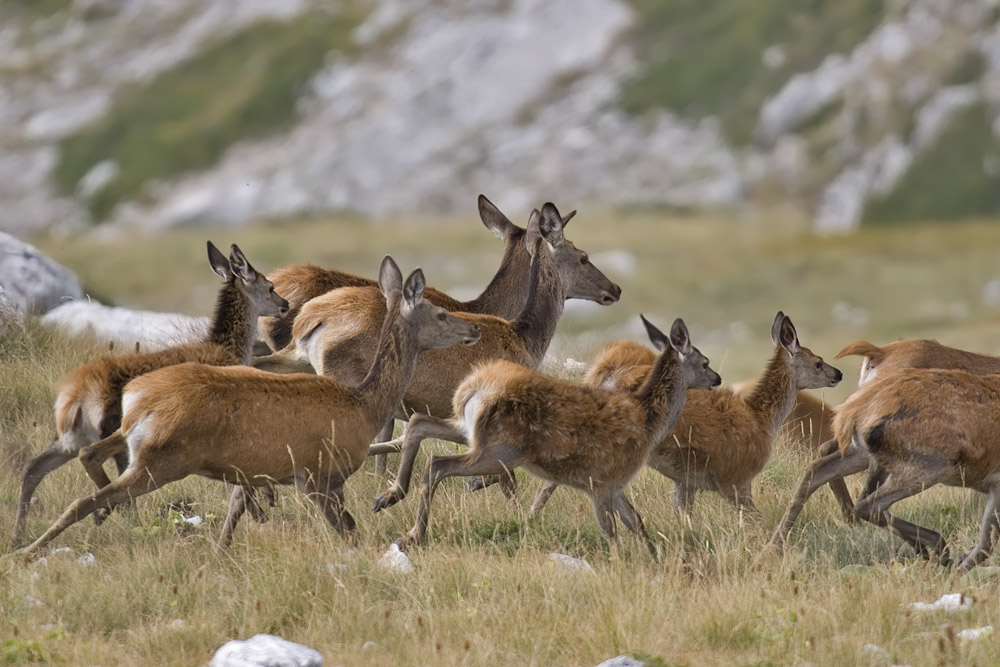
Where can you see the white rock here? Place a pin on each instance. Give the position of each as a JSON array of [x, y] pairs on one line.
[[621, 661], [193, 520], [970, 634], [32, 601], [125, 327], [87, 559], [394, 559], [875, 651], [177, 624], [99, 175], [947, 602], [31, 281], [566, 562], [265, 651], [369, 646]]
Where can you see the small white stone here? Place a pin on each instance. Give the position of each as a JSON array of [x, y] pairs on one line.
[[32, 601], [975, 633], [397, 561], [875, 651], [570, 563], [86, 559], [369, 646], [947, 602], [177, 623], [193, 520]]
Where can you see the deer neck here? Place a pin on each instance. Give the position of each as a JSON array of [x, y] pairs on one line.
[[663, 396], [394, 365], [536, 323], [774, 396], [234, 324], [504, 296]]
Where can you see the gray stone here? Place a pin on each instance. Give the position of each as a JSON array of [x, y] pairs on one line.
[[32, 282], [621, 661], [125, 327], [265, 651]]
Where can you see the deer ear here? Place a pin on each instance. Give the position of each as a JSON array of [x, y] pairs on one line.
[[550, 224], [788, 338], [240, 265], [656, 337], [413, 290], [776, 328], [390, 278], [494, 219], [533, 233], [569, 216], [218, 262], [680, 340]]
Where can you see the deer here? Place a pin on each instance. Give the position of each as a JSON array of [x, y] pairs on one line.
[[877, 362], [88, 402], [808, 425], [590, 438], [249, 427], [720, 441], [503, 296], [333, 331]]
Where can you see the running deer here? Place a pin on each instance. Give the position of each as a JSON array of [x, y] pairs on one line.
[[334, 331], [88, 404], [808, 425], [878, 362], [249, 427], [721, 441], [913, 429], [592, 439], [503, 296]]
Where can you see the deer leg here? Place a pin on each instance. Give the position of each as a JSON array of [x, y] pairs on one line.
[[820, 472], [475, 462], [542, 498], [237, 506], [135, 482], [626, 512], [420, 426], [740, 498], [36, 470], [875, 508], [683, 497], [92, 457], [328, 495], [987, 532], [384, 435]]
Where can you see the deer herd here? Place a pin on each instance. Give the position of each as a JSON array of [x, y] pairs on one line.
[[348, 356]]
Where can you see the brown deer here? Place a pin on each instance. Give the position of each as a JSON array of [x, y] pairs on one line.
[[721, 441], [88, 404], [503, 296], [808, 425], [249, 427], [334, 331], [913, 429], [592, 439], [879, 362]]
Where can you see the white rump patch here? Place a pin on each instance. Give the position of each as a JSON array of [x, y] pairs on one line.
[[472, 409], [867, 374], [138, 435], [128, 400]]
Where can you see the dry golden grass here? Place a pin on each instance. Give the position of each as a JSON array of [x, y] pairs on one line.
[[484, 591]]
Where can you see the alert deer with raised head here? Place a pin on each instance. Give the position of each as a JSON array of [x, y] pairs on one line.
[[807, 426], [250, 427], [88, 403], [878, 362], [591, 439], [720, 441], [503, 296], [334, 331]]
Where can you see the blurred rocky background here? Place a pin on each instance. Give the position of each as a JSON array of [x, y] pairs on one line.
[[158, 113]]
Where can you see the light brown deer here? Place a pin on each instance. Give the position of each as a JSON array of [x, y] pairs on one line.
[[879, 362], [916, 428], [88, 404], [721, 441], [250, 427], [592, 439], [503, 296], [334, 331], [808, 425]]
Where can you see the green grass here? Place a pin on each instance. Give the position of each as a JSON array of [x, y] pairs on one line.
[[484, 591], [34, 8], [705, 57], [959, 177], [244, 86]]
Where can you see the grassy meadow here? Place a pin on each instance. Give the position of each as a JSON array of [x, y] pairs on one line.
[[484, 590]]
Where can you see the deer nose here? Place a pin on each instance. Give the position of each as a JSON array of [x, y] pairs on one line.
[[837, 376], [611, 295], [716, 381], [283, 309]]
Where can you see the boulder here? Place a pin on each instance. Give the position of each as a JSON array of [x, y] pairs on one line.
[[265, 651], [125, 327], [32, 282]]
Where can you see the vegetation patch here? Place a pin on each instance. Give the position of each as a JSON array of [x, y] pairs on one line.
[[705, 57], [244, 86], [959, 177], [34, 8]]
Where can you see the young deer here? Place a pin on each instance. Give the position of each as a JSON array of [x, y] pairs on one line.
[[249, 427], [334, 331], [503, 296], [720, 442], [913, 429], [879, 362], [808, 425], [592, 439], [88, 404]]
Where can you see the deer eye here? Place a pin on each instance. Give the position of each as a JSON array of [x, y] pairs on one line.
[[819, 365], [584, 260], [442, 317]]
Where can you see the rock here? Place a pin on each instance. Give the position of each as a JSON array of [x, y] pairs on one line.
[[394, 559], [875, 651], [265, 651], [32, 282], [972, 634], [570, 563], [947, 602], [125, 327], [621, 661], [87, 559]]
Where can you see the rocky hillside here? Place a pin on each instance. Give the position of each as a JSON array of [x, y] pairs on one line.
[[159, 113]]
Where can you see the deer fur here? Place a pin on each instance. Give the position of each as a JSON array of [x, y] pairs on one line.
[[808, 425], [88, 403], [592, 439], [878, 362], [720, 441], [503, 296], [250, 427]]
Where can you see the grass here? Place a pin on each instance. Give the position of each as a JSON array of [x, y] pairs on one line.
[[244, 86], [484, 590], [705, 58]]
